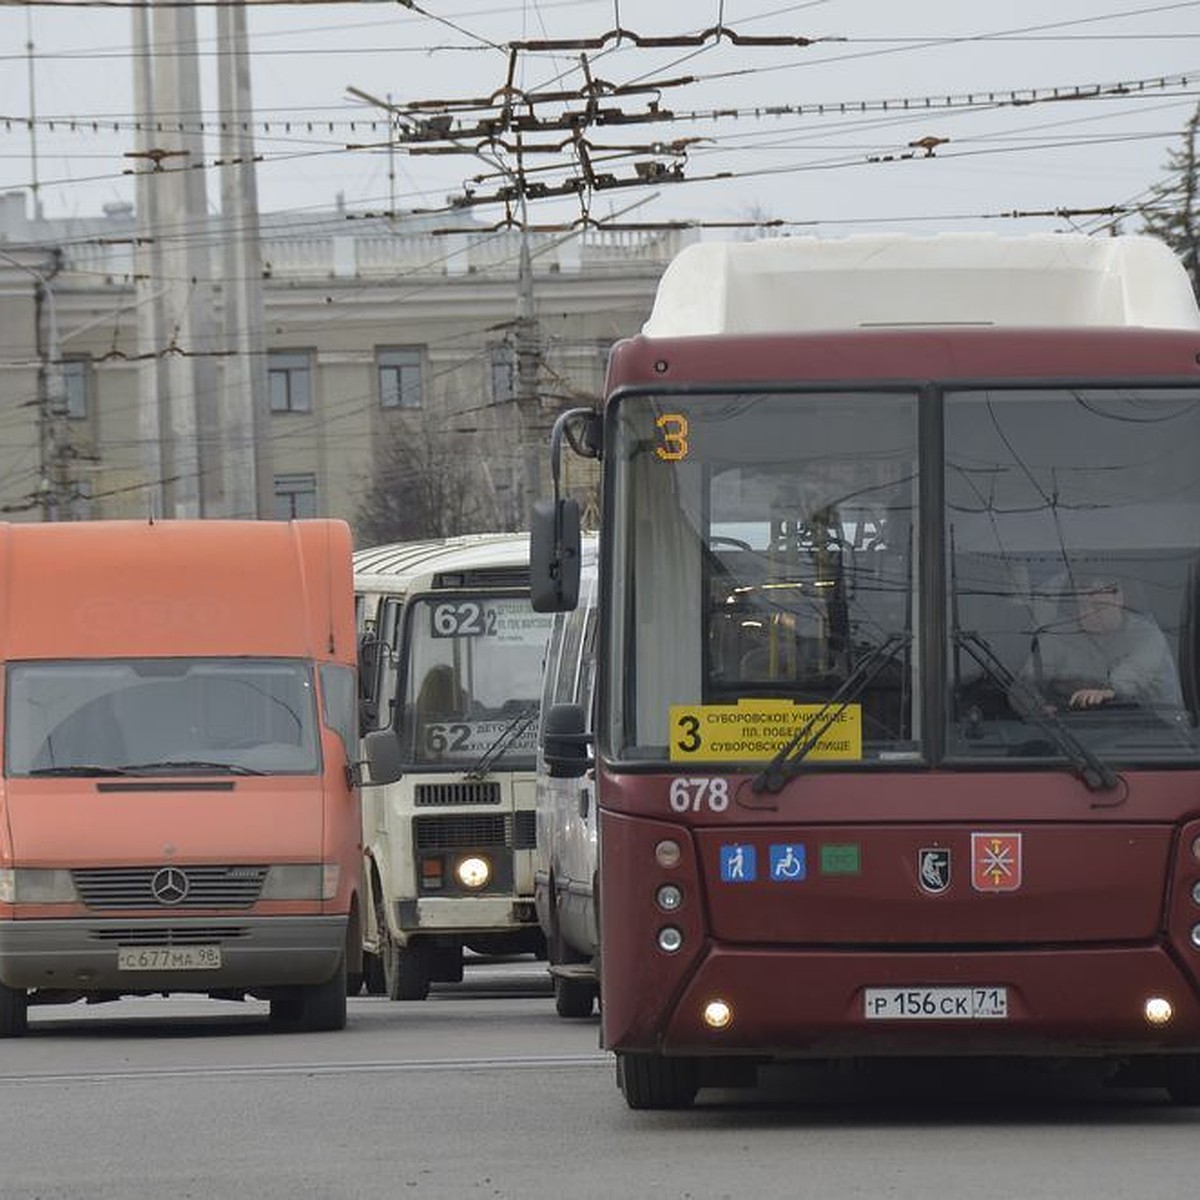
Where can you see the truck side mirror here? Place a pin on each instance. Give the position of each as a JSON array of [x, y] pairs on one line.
[[554, 555], [565, 742]]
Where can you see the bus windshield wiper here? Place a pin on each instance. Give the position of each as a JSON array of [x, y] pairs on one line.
[[1095, 774], [791, 755], [504, 739]]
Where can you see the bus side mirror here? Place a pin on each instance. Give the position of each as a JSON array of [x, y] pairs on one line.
[[554, 555], [382, 748], [565, 742]]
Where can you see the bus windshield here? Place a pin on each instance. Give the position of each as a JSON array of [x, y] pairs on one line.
[[775, 536], [160, 715], [473, 681]]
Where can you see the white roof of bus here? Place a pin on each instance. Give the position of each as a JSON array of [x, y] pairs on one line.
[[395, 567], [792, 285]]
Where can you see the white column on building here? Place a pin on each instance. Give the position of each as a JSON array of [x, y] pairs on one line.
[[245, 411]]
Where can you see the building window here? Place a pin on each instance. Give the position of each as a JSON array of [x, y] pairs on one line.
[[400, 378], [503, 374], [77, 387], [289, 380], [295, 496]]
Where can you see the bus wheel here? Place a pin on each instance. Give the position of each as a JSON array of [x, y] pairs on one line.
[[406, 969], [373, 979], [1183, 1079], [652, 1081], [14, 1011], [573, 997], [323, 1005]]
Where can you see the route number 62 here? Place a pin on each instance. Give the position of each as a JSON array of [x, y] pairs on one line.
[[695, 795]]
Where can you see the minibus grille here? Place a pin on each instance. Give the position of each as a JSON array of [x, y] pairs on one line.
[[476, 791], [174, 887], [515, 831]]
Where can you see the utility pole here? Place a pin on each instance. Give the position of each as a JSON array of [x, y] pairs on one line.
[[56, 488], [245, 403]]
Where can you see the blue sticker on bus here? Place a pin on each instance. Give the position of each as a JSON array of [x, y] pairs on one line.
[[738, 864], [789, 863]]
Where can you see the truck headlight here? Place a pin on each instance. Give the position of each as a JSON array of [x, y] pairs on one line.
[[301, 881], [36, 885]]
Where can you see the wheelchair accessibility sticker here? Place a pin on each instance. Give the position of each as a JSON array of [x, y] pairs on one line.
[[789, 864]]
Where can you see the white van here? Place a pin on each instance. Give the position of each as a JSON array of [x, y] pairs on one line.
[[564, 877], [451, 662]]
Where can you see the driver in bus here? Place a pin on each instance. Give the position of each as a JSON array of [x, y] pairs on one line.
[[1103, 653]]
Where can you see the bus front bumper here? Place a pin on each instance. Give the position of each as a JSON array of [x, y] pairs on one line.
[[818, 1004]]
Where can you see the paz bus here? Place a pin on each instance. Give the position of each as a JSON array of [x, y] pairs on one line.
[[854, 493], [451, 658], [179, 806], [564, 868]]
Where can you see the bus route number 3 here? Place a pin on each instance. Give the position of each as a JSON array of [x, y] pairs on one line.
[[696, 795]]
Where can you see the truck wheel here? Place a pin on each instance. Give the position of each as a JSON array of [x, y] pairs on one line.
[[652, 1081], [323, 1005], [14, 1011]]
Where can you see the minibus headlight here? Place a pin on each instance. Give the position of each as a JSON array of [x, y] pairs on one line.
[[473, 871], [301, 881], [36, 885]]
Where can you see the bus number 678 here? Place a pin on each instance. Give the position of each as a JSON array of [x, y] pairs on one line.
[[695, 795]]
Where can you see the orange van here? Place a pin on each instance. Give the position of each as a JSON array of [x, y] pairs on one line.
[[179, 808]]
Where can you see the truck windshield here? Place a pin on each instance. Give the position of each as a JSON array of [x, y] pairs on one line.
[[473, 681], [169, 716]]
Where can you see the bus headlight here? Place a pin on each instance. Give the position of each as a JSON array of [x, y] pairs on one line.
[[1196, 936], [717, 1014], [668, 897], [473, 872], [36, 885], [1196, 893], [1158, 1011]]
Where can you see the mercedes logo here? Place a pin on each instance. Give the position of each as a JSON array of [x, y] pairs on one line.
[[169, 886]]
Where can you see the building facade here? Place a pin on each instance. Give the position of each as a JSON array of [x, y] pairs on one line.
[[379, 336]]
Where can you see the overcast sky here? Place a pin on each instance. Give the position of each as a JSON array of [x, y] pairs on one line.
[[936, 62]]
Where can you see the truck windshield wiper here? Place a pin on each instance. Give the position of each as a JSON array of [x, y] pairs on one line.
[[185, 764], [1095, 775], [504, 739], [791, 755], [80, 769]]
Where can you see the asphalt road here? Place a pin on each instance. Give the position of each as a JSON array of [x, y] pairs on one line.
[[482, 1092]]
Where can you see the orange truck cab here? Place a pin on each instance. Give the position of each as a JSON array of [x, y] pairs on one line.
[[179, 810]]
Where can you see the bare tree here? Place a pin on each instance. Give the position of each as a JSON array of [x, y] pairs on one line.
[[422, 486], [1171, 212]]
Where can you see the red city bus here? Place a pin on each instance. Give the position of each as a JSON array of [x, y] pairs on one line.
[[896, 746]]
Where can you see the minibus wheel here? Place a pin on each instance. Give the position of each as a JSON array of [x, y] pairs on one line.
[[14, 1011]]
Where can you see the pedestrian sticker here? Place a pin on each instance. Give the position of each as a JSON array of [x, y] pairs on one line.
[[738, 864], [754, 730], [789, 864]]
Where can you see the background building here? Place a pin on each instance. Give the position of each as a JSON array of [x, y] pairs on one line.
[[386, 344]]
